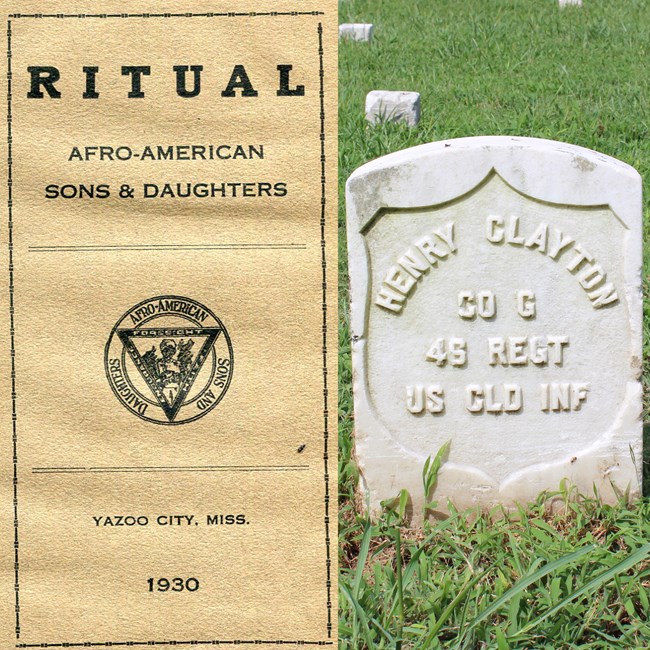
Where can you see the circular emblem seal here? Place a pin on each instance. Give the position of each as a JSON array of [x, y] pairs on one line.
[[169, 360]]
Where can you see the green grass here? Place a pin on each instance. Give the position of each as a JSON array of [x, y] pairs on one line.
[[488, 67]]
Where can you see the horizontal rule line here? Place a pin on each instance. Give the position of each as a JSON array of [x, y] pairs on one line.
[[91, 248], [171, 468], [210, 14]]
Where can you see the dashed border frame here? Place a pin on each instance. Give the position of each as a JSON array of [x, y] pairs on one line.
[[328, 585]]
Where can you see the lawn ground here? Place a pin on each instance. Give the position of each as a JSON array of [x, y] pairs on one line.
[[496, 67]]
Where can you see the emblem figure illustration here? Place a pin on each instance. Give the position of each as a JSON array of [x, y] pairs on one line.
[[171, 367], [169, 360]]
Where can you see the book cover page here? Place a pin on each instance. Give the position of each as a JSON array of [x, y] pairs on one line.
[[168, 332]]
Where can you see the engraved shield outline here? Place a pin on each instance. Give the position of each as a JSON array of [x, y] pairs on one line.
[[438, 173]]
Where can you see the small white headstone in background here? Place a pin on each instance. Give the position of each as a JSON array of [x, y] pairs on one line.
[[356, 31], [393, 106], [496, 303], [566, 3]]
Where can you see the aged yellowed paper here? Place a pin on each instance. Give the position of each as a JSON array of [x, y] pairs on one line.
[[168, 325]]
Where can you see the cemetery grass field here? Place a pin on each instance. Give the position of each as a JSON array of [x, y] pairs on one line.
[[496, 67]]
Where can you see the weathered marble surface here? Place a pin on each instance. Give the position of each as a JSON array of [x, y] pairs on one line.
[[356, 31], [393, 106], [495, 286]]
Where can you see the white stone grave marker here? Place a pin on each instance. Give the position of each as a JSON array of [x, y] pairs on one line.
[[495, 286], [393, 106], [567, 3], [356, 31]]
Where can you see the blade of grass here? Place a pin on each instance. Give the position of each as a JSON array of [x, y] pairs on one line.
[[409, 570], [523, 583], [364, 619], [432, 468], [360, 616], [400, 586], [446, 613], [362, 557], [595, 583]]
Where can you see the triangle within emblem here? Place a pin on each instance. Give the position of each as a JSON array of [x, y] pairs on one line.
[[168, 366]]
